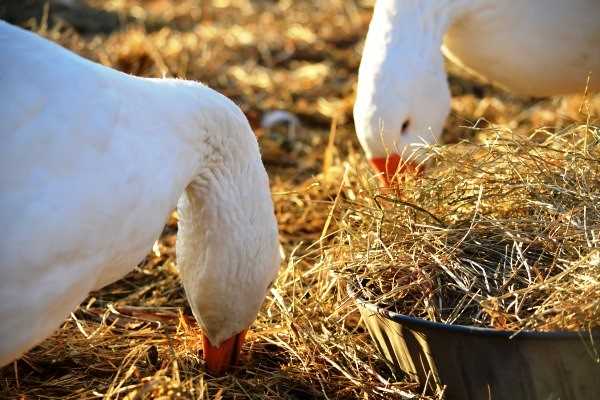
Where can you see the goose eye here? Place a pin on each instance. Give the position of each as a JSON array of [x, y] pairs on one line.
[[405, 126]]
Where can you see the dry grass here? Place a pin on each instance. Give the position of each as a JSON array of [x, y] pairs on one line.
[[136, 338], [504, 234]]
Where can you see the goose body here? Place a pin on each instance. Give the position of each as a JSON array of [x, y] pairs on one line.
[[534, 48], [92, 163]]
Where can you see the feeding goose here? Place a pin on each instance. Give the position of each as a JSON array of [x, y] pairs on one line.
[[92, 163], [534, 48]]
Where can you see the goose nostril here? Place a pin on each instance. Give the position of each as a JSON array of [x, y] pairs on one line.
[[405, 126]]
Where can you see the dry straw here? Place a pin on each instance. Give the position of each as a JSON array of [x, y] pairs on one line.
[[504, 234]]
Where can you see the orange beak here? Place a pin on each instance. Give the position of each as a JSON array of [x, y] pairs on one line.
[[220, 359], [392, 166]]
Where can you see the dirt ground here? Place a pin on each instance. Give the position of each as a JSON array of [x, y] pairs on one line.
[[137, 338]]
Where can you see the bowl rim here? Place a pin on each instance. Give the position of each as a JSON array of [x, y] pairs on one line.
[[353, 292]]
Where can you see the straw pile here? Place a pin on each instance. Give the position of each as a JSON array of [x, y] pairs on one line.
[[505, 234], [137, 338]]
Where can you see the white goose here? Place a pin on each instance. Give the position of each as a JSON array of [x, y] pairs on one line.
[[535, 47], [92, 162]]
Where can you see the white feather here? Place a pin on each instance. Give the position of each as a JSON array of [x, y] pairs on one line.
[[93, 161], [536, 48]]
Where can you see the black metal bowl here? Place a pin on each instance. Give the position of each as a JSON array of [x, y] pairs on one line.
[[469, 362]]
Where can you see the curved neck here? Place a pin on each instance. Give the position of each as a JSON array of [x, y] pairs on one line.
[[402, 30], [227, 227], [198, 136]]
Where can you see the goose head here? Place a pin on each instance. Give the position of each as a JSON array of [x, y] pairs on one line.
[[227, 244], [402, 94]]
